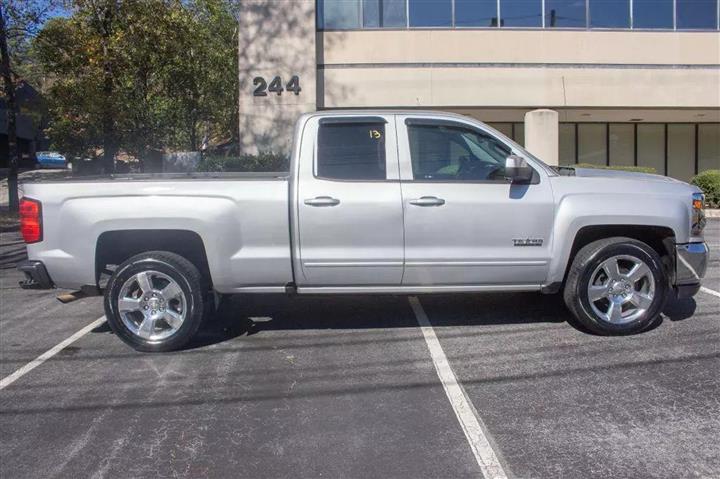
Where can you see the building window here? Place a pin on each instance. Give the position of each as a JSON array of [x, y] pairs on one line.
[[519, 133], [351, 151], [681, 151], [565, 14], [610, 13], [651, 146], [384, 14], [621, 142], [476, 13], [430, 13], [708, 146], [653, 14], [567, 144], [504, 128], [521, 13], [339, 14], [696, 14], [592, 143]]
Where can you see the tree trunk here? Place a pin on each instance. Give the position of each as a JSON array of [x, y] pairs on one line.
[[110, 146], [13, 152]]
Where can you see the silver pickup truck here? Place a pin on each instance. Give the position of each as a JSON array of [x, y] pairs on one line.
[[401, 202]]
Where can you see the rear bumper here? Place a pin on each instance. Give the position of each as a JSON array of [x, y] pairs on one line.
[[36, 276], [691, 260]]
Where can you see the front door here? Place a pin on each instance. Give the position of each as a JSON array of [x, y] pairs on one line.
[[350, 215], [465, 224]]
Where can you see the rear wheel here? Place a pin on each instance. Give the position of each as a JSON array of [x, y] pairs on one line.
[[616, 286], [154, 301]]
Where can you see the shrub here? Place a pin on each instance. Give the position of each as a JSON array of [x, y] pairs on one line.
[[636, 169], [247, 163], [709, 182]]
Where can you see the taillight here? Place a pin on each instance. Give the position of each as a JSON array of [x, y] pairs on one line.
[[31, 220]]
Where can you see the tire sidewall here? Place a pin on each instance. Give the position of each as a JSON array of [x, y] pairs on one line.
[[192, 296], [629, 249]]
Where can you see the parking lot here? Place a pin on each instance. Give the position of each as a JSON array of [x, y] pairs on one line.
[[352, 386]]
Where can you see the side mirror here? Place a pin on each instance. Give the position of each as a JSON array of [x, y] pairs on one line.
[[518, 170]]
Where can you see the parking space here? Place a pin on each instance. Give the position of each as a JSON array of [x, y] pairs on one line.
[[347, 387]]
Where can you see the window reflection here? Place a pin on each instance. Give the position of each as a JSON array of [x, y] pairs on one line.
[[475, 13], [696, 14], [565, 13], [384, 14], [430, 13], [521, 13], [653, 14], [609, 13]]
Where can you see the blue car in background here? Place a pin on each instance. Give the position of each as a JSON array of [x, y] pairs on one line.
[[50, 159]]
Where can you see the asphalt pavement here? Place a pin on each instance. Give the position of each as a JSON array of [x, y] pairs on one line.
[[337, 387]]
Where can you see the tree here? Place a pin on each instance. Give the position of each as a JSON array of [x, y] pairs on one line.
[[19, 21]]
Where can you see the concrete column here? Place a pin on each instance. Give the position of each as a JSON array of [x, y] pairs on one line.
[[542, 135], [276, 39]]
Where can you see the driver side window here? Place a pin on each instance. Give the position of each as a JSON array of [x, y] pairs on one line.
[[455, 153]]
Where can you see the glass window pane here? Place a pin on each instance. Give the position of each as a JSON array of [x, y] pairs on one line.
[[567, 143], [622, 144], [709, 146], [393, 14], [610, 13], [592, 145], [339, 14], [565, 13], [351, 151], [653, 14], [519, 134], [681, 151], [475, 13], [443, 153], [430, 13], [651, 147], [699, 14], [521, 13]]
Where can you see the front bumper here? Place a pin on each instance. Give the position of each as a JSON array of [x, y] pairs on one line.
[[691, 260], [36, 276]]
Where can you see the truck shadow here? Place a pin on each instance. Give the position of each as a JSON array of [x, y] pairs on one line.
[[488, 314]]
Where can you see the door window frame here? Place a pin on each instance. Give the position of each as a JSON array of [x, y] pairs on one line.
[[392, 173]]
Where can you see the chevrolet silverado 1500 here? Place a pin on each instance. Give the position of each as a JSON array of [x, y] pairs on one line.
[[374, 202]]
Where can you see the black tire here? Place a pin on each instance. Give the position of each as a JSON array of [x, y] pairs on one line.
[[580, 274], [185, 275]]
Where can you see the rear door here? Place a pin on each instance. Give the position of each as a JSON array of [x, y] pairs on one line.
[[350, 217]]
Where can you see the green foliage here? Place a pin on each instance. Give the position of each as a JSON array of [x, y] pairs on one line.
[[709, 182], [636, 169], [163, 72], [262, 162]]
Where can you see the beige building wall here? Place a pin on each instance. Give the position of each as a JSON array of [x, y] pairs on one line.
[[276, 38], [529, 69]]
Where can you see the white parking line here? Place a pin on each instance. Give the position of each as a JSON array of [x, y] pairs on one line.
[[469, 421], [709, 291], [8, 380]]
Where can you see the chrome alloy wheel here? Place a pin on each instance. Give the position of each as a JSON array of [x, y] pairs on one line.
[[621, 289], [152, 305]]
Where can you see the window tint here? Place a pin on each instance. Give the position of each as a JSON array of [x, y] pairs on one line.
[[443, 153], [565, 13], [430, 13], [521, 13], [653, 14], [339, 14], [476, 13], [384, 13], [610, 13], [697, 14], [351, 151]]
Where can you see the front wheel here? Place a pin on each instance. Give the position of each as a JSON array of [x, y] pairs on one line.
[[154, 301], [616, 286]]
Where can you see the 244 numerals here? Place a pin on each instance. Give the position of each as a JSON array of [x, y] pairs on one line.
[[276, 86]]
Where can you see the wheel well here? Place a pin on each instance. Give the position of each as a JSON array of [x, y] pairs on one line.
[[659, 238], [114, 247]]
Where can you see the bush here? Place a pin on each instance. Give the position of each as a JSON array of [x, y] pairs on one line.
[[709, 182], [246, 163], [636, 169]]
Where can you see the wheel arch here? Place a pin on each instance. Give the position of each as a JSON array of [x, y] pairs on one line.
[[114, 247]]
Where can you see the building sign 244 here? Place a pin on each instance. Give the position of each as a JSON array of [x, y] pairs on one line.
[[276, 86]]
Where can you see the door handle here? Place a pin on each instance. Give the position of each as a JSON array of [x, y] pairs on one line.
[[322, 201], [428, 201]]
